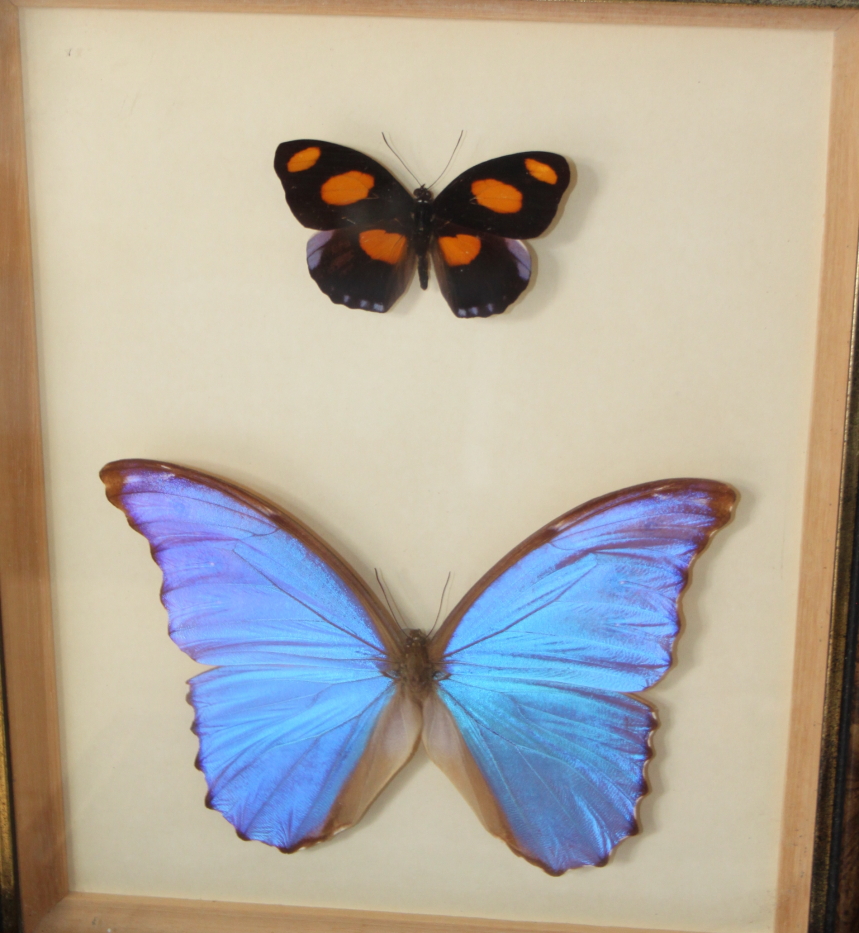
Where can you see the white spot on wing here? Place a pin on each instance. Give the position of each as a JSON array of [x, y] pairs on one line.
[[315, 245], [522, 256]]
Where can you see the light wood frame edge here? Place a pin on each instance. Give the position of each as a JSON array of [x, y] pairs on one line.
[[783, 14], [834, 892], [823, 484], [25, 597], [24, 571], [99, 912]]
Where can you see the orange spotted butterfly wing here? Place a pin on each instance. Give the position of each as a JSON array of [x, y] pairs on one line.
[[373, 230]]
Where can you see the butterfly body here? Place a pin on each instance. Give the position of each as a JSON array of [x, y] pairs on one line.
[[415, 670], [374, 231], [526, 696], [422, 214]]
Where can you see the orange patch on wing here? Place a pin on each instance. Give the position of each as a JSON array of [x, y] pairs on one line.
[[497, 195], [459, 250], [379, 244], [347, 188], [541, 171], [304, 160]]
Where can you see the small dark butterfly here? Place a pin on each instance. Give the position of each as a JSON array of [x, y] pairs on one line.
[[373, 230]]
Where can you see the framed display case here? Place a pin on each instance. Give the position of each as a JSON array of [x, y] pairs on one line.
[[692, 314]]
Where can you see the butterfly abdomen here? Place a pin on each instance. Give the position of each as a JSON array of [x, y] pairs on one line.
[[423, 232]]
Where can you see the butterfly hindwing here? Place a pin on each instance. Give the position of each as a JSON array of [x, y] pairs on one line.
[[362, 267], [540, 657], [278, 751], [555, 771], [299, 727], [514, 196], [329, 186], [479, 274]]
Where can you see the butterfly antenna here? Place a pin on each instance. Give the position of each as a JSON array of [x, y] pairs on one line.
[[441, 601], [384, 591], [393, 608], [402, 160], [461, 134], [402, 618]]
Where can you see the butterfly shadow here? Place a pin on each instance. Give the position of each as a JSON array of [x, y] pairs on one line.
[[689, 648], [548, 271], [688, 651]]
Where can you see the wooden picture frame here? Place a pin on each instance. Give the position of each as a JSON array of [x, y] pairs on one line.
[[819, 874]]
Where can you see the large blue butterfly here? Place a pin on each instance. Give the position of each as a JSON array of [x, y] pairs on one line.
[[524, 696]]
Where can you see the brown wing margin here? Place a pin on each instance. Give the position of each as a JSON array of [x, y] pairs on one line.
[[446, 747], [390, 634], [722, 499], [391, 746]]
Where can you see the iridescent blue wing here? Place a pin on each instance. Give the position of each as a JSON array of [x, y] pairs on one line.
[[533, 720], [292, 761], [300, 728]]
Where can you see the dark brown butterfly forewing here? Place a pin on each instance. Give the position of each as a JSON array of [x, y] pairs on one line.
[[329, 186], [513, 196]]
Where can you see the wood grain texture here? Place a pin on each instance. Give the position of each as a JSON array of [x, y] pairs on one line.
[[847, 907], [823, 481], [835, 850], [638, 12], [24, 574], [98, 913], [843, 907]]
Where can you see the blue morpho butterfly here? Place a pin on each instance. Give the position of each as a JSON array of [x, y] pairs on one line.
[[525, 696]]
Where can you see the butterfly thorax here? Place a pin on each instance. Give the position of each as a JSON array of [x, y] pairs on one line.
[[423, 231], [415, 669]]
